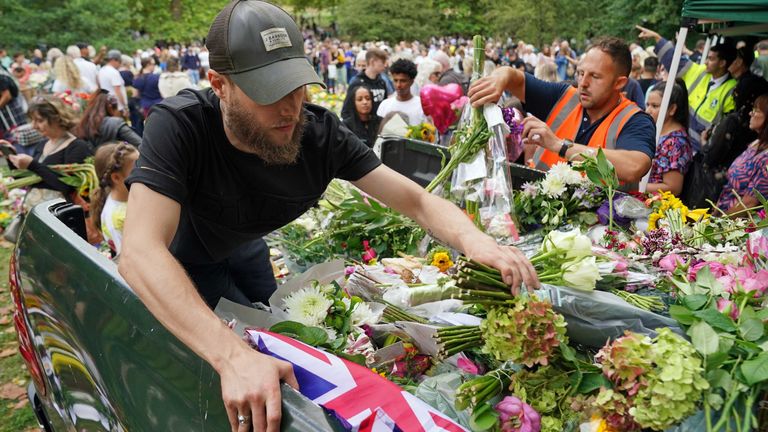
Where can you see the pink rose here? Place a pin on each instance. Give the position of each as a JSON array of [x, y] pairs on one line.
[[717, 269], [670, 262], [517, 416], [728, 307], [467, 365], [751, 281]]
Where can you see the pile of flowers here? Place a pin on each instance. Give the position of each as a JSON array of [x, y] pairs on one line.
[[330, 101]]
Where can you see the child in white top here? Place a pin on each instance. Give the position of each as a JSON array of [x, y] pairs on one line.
[[113, 163]]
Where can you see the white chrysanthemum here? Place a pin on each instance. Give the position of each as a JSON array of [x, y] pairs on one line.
[[553, 186], [565, 173], [363, 315], [308, 306]]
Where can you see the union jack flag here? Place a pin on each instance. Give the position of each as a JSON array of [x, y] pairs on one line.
[[364, 400]]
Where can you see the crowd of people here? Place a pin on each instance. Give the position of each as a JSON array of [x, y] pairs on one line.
[[713, 121], [713, 133]]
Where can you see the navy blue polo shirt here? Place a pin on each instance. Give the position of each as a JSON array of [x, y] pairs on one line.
[[638, 133]]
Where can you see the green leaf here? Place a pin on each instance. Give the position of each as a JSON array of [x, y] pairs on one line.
[[751, 329], [704, 338], [593, 381], [715, 401], [694, 301], [313, 336], [705, 279], [356, 358], [681, 314], [483, 418], [719, 378], [756, 370], [568, 353], [287, 327], [716, 319], [685, 288], [715, 360], [761, 198]]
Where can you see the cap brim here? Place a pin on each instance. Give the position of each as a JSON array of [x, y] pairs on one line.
[[268, 84]]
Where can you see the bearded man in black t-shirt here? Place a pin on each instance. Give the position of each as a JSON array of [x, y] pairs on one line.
[[219, 168]]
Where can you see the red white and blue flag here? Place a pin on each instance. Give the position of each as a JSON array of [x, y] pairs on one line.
[[364, 400]]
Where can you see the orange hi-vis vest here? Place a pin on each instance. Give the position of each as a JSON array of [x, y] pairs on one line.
[[565, 119]]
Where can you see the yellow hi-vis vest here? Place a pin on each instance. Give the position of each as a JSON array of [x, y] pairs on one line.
[[706, 109]]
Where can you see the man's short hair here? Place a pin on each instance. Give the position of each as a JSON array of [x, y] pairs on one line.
[[746, 55], [403, 66], [375, 53], [725, 51], [762, 45], [651, 64], [618, 50]]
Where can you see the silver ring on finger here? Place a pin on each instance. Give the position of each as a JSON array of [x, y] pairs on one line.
[[243, 419]]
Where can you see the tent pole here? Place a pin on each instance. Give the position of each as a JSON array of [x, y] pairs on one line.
[[674, 67], [705, 52]]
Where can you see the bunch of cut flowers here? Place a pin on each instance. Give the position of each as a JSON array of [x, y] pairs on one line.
[[556, 199], [471, 137], [325, 316], [80, 176], [422, 131]]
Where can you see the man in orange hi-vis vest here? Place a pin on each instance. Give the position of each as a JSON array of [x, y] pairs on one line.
[[567, 121]]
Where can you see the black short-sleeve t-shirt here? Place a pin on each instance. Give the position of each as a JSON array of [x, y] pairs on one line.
[[638, 133], [227, 196]]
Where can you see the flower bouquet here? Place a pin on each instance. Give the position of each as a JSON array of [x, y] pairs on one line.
[[422, 131]]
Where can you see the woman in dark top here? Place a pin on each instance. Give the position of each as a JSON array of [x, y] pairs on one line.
[[364, 122], [102, 123], [53, 120], [146, 84]]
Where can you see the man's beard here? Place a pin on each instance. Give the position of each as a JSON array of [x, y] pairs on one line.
[[252, 135]]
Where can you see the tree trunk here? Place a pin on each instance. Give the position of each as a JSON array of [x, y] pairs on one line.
[[176, 8]]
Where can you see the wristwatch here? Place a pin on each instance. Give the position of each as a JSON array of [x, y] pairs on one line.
[[564, 147]]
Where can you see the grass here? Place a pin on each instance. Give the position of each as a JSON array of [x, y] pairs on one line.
[[16, 414]]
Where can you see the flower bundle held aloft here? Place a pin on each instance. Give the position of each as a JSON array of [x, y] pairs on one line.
[[658, 381], [80, 176], [527, 332], [470, 138]]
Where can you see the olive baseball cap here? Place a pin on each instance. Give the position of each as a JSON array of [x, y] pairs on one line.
[[259, 46]]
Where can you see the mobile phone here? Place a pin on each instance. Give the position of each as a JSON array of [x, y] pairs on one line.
[[7, 150]]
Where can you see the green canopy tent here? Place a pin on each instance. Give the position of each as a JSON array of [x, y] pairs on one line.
[[716, 18]]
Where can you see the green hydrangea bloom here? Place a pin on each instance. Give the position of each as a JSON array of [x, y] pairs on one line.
[[527, 332], [660, 381]]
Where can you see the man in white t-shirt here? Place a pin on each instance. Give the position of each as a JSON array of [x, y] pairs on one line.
[[403, 74], [88, 71], [111, 81]]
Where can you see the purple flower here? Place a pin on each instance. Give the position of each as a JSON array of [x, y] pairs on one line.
[[603, 214], [517, 416]]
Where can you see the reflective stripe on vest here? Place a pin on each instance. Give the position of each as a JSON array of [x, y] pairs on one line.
[[565, 120], [705, 108]]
